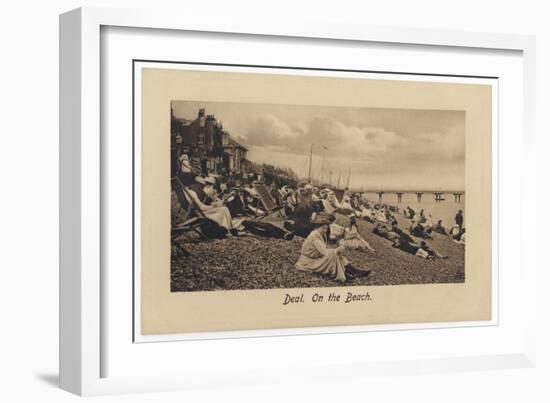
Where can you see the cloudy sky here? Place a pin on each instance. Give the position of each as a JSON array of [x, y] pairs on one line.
[[383, 148]]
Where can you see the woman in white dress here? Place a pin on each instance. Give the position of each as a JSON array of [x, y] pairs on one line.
[[381, 217], [209, 187], [457, 235], [327, 205], [365, 212], [217, 212], [334, 200], [352, 239], [316, 257], [346, 203]]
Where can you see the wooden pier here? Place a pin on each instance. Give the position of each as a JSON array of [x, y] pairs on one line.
[[439, 195]]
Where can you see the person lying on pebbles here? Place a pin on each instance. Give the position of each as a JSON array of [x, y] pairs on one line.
[[432, 252], [411, 248]]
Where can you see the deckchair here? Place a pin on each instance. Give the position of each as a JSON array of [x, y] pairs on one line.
[[189, 208], [266, 200]]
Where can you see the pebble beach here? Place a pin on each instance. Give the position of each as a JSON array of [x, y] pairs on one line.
[[250, 262]]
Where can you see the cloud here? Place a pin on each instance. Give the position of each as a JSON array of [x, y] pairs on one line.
[[269, 131], [388, 146]]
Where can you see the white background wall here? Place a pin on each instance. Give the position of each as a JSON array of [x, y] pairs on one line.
[[29, 201]]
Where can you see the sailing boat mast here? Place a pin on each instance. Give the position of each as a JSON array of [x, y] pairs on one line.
[[309, 171], [323, 167], [349, 174]]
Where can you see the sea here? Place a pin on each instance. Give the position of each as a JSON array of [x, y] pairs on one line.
[[444, 210]]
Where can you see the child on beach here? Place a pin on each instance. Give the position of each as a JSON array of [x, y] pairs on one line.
[[352, 239]]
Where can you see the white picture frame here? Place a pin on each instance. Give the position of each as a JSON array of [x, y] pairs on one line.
[[83, 354]]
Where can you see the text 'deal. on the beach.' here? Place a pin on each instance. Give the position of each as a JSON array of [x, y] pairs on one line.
[[332, 297]]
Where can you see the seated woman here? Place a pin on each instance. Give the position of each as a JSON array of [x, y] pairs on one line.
[[428, 230], [198, 187], [316, 257], [290, 201], [303, 214], [458, 235], [346, 203], [380, 216], [365, 212], [327, 205], [334, 200], [335, 232], [416, 229], [274, 193], [234, 200], [352, 239], [216, 212], [355, 202], [318, 203], [370, 218], [210, 189], [429, 222], [251, 201], [409, 212], [439, 228], [422, 218]]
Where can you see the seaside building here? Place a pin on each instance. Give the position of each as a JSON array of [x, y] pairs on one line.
[[234, 155], [209, 147]]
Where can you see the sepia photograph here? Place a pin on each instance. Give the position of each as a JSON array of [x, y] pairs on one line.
[[282, 196], [289, 200]]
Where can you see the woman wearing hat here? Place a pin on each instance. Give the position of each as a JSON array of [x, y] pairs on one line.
[[346, 203], [216, 211], [327, 205], [303, 214], [316, 257], [352, 239], [209, 183]]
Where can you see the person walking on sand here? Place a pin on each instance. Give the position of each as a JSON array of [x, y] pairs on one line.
[[316, 257], [459, 219]]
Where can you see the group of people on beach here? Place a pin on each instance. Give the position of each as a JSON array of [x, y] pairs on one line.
[[424, 227], [308, 211]]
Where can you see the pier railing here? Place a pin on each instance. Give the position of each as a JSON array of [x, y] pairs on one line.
[[438, 194]]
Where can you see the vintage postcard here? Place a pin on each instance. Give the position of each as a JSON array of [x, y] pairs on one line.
[[289, 201]]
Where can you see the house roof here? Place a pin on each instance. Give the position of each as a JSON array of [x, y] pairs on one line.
[[236, 144], [183, 121]]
